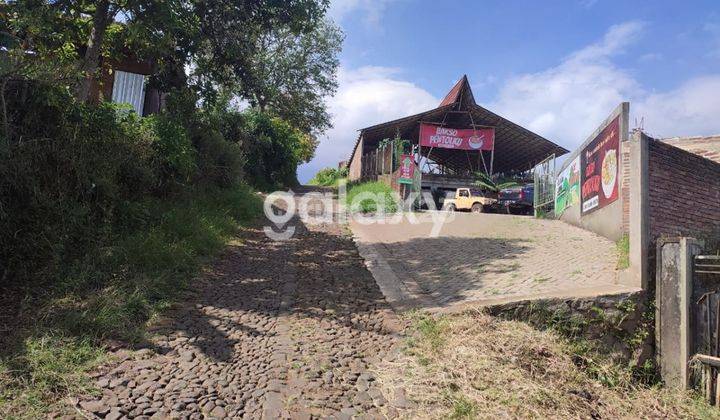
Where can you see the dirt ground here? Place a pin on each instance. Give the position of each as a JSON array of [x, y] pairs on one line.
[[287, 329]]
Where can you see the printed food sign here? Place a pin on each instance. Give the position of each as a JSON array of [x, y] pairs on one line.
[[567, 187], [457, 138], [600, 167], [407, 169]]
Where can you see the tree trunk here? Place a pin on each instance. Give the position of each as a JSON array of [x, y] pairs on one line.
[[91, 62]]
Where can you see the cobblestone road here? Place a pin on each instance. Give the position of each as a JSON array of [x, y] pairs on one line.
[[489, 258], [277, 330]]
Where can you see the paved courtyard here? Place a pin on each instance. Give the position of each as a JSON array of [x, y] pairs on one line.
[[485, 259]]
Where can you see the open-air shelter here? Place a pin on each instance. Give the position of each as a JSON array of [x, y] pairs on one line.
[[508, 148]]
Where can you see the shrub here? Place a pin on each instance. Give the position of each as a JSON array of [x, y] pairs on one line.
[[273, 149], [328, 177], [174, 147], [220, 162], [62, 180]]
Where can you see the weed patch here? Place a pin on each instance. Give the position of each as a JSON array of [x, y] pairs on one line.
[[496, 368], [623, 252]]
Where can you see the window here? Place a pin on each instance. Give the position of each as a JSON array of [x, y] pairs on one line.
[[476, 193], [129, 88], [464, 193]]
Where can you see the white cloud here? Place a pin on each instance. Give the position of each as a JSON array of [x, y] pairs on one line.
[[371, 10], [691, 109], [365, 96], [566, 102]]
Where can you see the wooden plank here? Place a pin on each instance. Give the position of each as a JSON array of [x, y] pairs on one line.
[[707, 360]]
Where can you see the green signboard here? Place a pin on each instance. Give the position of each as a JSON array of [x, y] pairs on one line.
[[567, 187]]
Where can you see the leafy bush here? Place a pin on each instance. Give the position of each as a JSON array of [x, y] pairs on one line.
[[273, 149], [220, 161], [328, 177], [70, 172], [62, 180], [371, 197], [173, 145]]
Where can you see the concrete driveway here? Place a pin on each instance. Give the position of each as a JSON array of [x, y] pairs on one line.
[[483, 259]]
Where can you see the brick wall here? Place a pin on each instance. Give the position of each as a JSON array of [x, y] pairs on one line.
[[625, 185], [684, 192], [707, 147]]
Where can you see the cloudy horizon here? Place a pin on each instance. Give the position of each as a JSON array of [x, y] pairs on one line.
[[571, 89]]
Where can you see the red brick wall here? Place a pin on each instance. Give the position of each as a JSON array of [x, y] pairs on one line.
[[625, 185], [684, 192], [707, 147]]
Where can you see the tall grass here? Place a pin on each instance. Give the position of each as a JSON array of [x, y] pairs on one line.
[[372, 197], [114, 291]]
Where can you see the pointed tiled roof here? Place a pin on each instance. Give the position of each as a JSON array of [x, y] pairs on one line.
[[458, 92]]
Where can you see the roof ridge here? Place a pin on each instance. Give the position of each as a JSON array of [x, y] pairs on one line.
[[455, 94]]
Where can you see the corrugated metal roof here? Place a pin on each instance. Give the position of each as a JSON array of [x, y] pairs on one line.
[[516, 148]]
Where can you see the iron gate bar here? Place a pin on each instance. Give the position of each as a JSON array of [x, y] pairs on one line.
[[707, 264]]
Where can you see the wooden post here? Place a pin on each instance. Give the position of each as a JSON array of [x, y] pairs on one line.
[[707, 383]]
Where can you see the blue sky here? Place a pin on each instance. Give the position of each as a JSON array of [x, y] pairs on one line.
[[555, 67]]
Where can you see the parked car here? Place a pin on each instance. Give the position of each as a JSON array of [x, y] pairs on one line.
[[468, 199], [517, 200]]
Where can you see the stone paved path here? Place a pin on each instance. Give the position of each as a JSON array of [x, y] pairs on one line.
[[286, 329], [485, 259]]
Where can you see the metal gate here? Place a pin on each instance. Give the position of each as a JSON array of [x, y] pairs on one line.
[[544, 180], [705, 324]]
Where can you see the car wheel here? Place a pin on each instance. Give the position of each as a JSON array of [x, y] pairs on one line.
[[451, 207], [477, 208]]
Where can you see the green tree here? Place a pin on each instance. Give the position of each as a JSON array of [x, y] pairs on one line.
[[273, 149], [218, 38], [292, 75]]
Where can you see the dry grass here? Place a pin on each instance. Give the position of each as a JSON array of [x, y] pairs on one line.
[[478, 366]]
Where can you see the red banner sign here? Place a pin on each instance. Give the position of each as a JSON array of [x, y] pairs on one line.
[[457, 138], [600, 168], [407, 169]]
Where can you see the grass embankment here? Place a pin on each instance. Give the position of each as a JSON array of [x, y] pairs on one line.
[[372, 197], [113, 293], [474, 365]]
